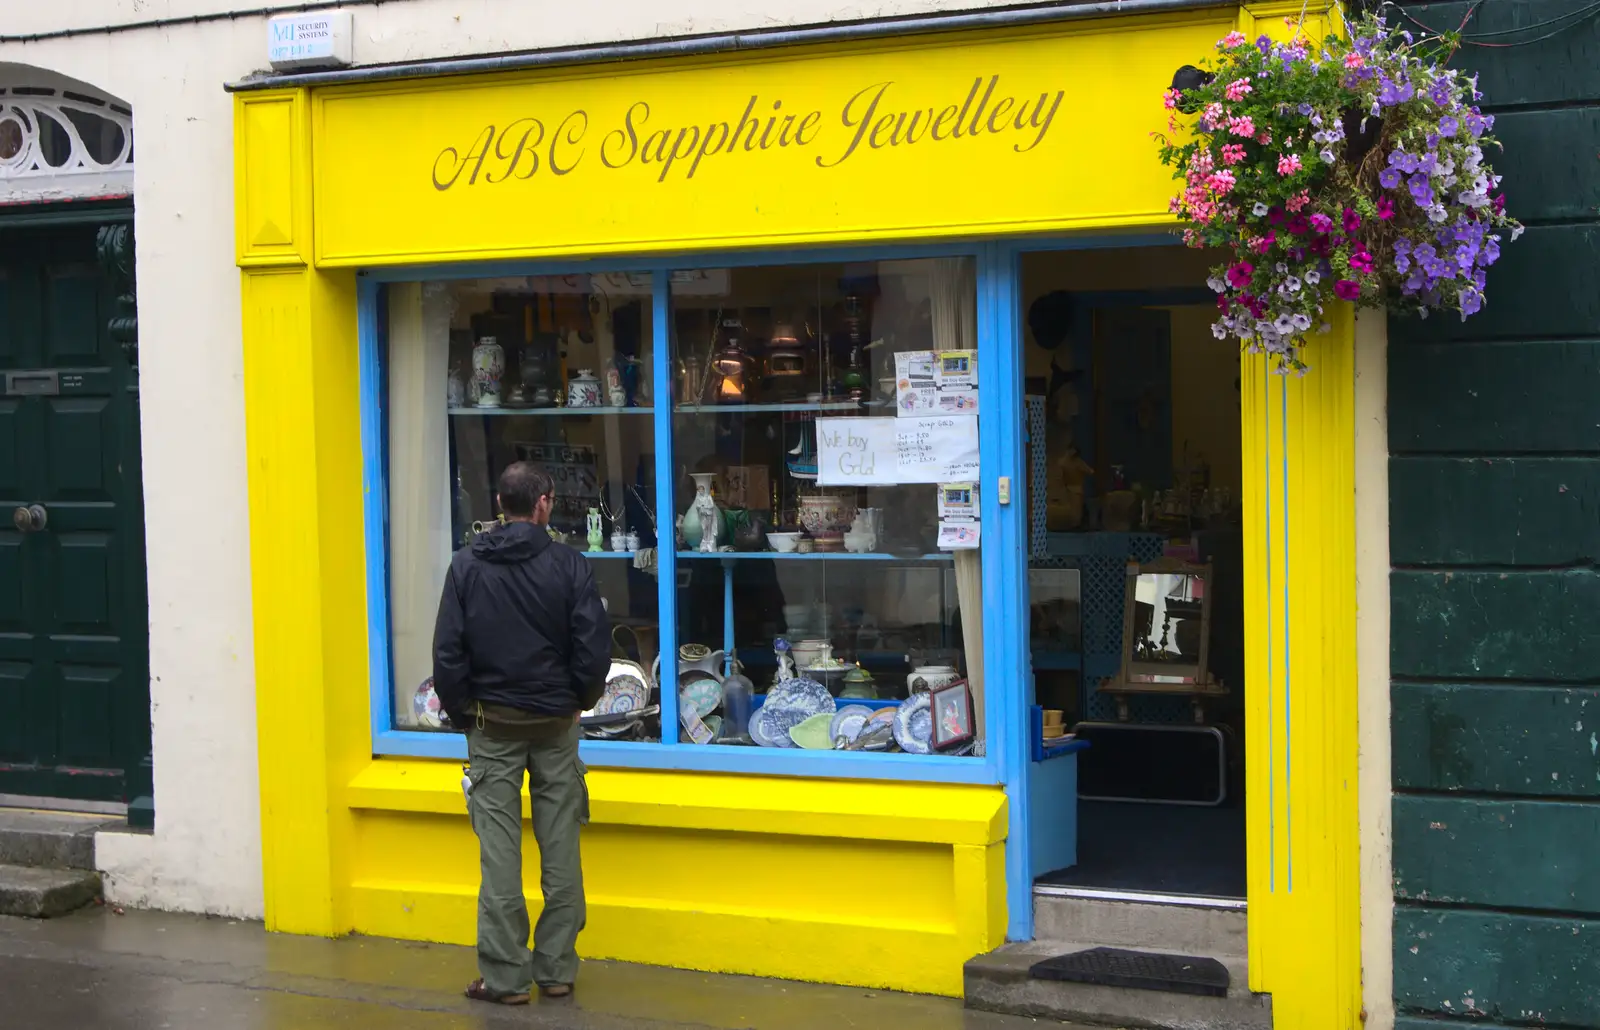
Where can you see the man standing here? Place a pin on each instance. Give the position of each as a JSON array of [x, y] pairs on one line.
[[521, 646]]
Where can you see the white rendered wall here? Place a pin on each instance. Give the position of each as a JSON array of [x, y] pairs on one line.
[[205, 855]]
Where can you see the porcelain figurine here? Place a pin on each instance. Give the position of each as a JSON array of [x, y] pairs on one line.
[[710, 529], [781, 648], [583, 390], [488, 365], [619, 542], [616, 396], [702, 523], [595, 536]]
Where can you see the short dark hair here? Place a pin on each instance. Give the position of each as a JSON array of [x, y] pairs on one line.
[[520, 487]]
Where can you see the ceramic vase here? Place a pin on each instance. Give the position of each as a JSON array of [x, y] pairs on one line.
[[702, 523], [583, 390], [595, 536], [488, 366], [925, 678]]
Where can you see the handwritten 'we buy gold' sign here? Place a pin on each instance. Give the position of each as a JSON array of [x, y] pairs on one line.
[[875, 117]]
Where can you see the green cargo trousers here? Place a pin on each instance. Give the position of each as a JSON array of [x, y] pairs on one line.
[[560, 806]]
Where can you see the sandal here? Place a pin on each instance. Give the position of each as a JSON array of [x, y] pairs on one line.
[[477, 990], [556, 990]]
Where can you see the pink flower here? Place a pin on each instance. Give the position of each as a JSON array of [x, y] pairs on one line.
[[1265, 243], [1361, 261], [1201, 162], [1352, 221], [1385, 208], [1239, 275], [1321, 222], [1174, 204], [1231, 40], [1354, 60], [1298, 201], [1242, 125], [1232, 153], [1238, 89], [1288, 164], [1264, 138], [1344, 289], [1170, 99], [1213, 116], [1222, 181]]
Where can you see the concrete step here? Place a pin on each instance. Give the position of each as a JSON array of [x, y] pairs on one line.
[[60, 840], [999, 982], [42, 893], [1142, 926]]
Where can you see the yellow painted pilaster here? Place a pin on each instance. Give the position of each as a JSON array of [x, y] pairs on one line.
[[1300, 645], [308, 588]]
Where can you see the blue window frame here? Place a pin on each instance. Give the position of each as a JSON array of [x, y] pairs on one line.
[[1000, 447]]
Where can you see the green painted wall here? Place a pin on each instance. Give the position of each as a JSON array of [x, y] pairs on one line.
[[1494, 436]]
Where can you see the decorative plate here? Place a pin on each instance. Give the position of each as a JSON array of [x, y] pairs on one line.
[[812, 734], [804, 695], [780, 721], [699, 691], [760, 731], [625, 691], [913, 725], [848, 722], [426, 707]]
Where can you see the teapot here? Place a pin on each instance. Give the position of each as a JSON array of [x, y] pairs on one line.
[[693, 658]]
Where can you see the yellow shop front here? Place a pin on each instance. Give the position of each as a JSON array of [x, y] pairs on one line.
[[759, 314]]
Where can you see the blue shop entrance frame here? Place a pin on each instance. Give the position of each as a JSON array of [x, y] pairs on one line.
[[1009, 758]]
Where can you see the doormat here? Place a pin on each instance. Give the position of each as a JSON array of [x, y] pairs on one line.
[[1142, 970]]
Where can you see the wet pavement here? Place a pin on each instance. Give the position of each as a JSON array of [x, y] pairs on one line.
[[96, 970]]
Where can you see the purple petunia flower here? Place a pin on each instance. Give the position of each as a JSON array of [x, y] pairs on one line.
[[1264, 44], [1421, 191], [1390, 178], [1405, 162], [1449, 125]]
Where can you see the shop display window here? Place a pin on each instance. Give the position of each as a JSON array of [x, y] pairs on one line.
[[555, 370], [783, 459], [800, 555]]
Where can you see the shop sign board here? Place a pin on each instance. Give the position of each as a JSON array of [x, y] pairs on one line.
[[940, 136]]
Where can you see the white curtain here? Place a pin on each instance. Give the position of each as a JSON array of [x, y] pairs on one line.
[[955, 327], [419, 479]]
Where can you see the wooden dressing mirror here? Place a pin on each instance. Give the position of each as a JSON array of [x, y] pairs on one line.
[[1166, 635]]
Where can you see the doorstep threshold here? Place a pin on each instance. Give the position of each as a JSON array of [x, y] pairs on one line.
[[1052, 890], [66, 805]]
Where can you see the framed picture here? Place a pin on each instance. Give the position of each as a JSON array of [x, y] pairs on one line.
[[952, 715]]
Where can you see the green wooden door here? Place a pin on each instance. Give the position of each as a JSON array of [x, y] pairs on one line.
[[74, 682]]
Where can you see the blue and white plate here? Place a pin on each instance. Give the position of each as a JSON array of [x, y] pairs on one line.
[[848, 722], [778, 723], [913, 725], [760, 731], [802, 695]]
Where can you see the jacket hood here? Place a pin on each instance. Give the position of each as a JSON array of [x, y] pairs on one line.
[[512, 543]]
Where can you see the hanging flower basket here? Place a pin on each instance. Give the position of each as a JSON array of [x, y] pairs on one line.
[[1352, 171]]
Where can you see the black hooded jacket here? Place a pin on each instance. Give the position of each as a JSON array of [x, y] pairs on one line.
[[520, 624]]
